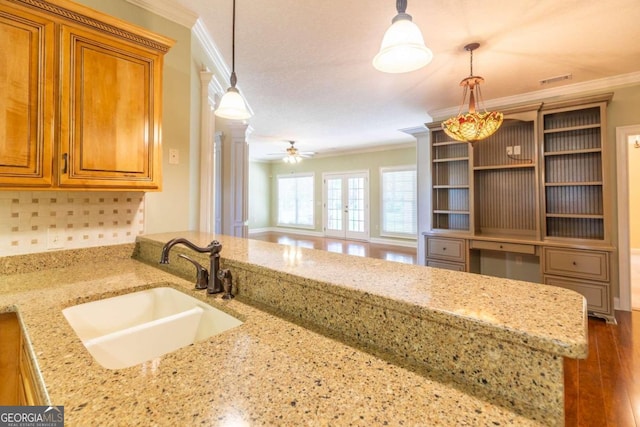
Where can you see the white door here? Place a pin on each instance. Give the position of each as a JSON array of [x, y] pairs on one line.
[[346, 205]]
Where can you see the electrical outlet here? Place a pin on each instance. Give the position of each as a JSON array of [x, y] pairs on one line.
[[174, 156], [509, 151], [516, 150], [55, 238]]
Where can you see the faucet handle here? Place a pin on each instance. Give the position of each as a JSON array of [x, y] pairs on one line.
[[225, 276], [202, 275]]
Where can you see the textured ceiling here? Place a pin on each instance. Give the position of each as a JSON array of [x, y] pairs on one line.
[[305, 66]]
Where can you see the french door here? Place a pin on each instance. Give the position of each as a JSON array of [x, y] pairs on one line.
[[346, 205]]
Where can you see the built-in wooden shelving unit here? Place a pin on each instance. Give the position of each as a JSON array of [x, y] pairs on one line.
[[536, 189]]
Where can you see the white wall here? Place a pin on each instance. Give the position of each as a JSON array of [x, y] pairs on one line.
[[634, 194]]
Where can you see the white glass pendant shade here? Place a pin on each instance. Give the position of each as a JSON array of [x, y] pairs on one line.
[[232, 106], [402, 49]]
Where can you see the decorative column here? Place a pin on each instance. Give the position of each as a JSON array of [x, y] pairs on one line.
[[423, 176], [235, 184], [207, 175]]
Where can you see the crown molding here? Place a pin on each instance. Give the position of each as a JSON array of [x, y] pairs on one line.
[[211, 50], [416, 130], [168, 10], [607, 83], [345, 152]]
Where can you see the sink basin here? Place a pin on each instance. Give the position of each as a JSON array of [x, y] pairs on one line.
[[133, 328]]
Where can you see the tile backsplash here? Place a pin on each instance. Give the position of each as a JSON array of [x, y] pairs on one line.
[[40, 221]]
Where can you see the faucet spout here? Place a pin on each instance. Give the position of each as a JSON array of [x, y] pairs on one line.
[[214, 248]]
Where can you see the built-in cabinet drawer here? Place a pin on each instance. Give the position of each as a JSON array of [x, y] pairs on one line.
[[446, 265], [584, 271], [591, 265], [446, 249], [504, 247], [596, 294], [446, 252]]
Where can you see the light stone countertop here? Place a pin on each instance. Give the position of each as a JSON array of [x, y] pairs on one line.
[[545, 317], [267, 371]]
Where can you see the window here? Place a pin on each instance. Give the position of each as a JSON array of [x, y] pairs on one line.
[[295, 200], [399, 201]]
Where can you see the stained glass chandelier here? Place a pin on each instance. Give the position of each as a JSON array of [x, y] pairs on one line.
[[472, 126]]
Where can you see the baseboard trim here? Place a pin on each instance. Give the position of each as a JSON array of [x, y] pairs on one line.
[[393, 242], [405, 243], [296, 231]]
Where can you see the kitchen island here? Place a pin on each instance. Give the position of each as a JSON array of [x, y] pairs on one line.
[[304, 365]]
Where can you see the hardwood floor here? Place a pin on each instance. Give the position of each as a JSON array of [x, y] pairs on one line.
[[350, 247], [604, 389], [600, 391]]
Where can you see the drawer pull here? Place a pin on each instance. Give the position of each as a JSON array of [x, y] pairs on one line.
[[444, 249], [500, 246], [574, 263], [65, 160]]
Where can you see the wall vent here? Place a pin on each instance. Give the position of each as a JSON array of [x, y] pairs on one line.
[[555, 79]]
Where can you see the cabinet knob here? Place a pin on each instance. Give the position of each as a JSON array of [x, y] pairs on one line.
[[444, 249], [574, 263], [500, 246]]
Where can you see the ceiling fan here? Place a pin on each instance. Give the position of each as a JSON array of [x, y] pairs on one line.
[[293, 155]]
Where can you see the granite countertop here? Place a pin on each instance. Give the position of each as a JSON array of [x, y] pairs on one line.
[[268, 371], [546, 317]]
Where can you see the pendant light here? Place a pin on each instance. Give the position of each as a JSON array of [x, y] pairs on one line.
[[472, 126], [402, 49], [232, 105]]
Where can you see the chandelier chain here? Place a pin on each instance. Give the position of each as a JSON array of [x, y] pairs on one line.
[[233, 38]]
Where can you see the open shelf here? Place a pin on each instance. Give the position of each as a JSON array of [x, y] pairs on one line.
[[572, 152], [572, 183], [451, 187], [498, 167], [572, 128], [453, 159]]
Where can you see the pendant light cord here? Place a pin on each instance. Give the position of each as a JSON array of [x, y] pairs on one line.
[[233, 79]]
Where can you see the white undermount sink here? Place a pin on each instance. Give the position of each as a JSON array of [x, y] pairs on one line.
[[130, 329]]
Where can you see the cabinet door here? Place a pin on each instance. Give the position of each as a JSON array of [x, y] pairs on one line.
[[110, 112], [26, 98]]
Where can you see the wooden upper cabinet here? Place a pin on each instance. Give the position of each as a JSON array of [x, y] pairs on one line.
[[26, 97], [80, 99], [110, 112]]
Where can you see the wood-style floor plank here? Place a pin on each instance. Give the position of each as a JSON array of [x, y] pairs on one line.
[[628, 351], [571, 386], [590, 398], [600, 391], [615, 384]]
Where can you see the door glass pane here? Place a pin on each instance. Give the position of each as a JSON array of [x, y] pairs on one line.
[[355, 204], [334, 204]]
